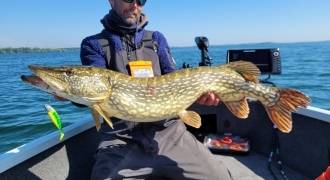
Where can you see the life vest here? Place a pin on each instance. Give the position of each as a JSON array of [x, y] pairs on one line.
[[117, 60]]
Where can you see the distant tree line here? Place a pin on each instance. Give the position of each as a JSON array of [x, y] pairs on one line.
[[33, 50]]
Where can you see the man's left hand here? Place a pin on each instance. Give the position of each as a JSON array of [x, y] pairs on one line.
[[209, 99]]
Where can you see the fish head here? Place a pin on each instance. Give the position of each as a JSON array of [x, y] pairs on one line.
[[80, 84]]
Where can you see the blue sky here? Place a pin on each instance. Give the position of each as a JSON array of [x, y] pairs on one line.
[[64, 23]]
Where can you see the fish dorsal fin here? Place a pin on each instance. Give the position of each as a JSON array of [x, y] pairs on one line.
[[96, 117], [104, 114], [239, 108], [248, 70], [190, 118]]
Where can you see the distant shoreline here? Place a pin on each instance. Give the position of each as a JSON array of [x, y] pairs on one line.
[[13, 50], [257, 43]]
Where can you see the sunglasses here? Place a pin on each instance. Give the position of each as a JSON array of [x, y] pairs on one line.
[[140, 2]]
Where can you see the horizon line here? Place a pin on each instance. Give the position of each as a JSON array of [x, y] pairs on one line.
[[183, 46]]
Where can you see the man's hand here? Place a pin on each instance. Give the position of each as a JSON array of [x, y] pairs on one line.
[[209, 99]]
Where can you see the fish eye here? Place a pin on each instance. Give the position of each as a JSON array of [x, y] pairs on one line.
[[69, 73]]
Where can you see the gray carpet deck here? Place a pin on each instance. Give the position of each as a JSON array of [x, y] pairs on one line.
[[254, 167]]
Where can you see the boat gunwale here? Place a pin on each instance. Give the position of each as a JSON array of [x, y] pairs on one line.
[[24, 152], [314, 112]]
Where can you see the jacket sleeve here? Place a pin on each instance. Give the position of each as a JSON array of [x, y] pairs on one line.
[[167, 63], [91, 53]]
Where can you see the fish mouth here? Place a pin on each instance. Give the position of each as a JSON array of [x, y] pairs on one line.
[[45, 78], [38, 83], [34, 80]]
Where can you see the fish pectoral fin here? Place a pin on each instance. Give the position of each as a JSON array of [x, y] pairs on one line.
[[105, 115], [96, 117], [239, 108], [190, 118]]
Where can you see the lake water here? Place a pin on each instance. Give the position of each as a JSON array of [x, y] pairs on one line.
[[305, 66]]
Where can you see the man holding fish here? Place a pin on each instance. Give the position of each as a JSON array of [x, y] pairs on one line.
[[162, 149]]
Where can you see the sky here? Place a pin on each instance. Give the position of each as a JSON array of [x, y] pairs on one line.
[[64, 23]]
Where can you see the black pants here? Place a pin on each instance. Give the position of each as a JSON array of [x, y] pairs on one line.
[[168, 153]]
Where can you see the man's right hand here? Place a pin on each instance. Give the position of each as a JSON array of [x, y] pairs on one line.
[[209, 99]]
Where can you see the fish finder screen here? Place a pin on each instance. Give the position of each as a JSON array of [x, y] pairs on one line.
[[267, 60]]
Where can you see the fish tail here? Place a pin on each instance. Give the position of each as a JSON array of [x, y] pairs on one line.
[[280, 112]]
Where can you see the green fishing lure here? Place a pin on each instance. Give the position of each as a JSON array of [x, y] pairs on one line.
[[55, 118]]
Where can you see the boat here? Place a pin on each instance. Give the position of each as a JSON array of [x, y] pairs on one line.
[[304, 153]]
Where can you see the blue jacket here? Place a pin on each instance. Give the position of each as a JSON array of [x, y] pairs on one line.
[[92, 54]]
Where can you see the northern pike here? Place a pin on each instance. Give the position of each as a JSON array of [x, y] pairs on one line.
[[113, 94]]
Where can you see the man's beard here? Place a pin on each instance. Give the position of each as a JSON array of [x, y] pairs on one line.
[[132, 18]]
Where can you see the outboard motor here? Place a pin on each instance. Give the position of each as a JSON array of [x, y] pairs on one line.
[[203, 43]]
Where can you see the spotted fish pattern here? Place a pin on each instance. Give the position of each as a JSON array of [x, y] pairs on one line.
[[113, 94]]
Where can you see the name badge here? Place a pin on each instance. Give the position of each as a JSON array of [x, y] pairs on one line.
[[141, 68]]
